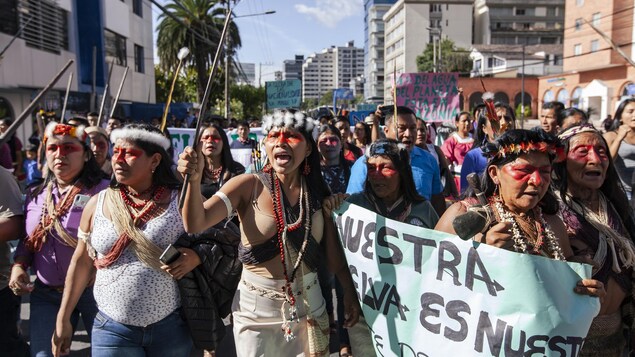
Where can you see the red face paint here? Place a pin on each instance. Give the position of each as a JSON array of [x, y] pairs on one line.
[[584, 153], [525, 172], [121, 154], [285, 137], [64, 148], [329, 140], [211, 138], [380, 171]]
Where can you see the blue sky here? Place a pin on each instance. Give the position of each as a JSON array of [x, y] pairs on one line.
[[297, 27]]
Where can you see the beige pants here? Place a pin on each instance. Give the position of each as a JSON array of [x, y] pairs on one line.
[[258, 319]]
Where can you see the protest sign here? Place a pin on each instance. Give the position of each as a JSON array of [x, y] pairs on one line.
[[429, 293], [357, 116], [434, 97], [284, 94], [182, 137]]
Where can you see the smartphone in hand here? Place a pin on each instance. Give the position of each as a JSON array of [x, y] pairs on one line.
[[169, 255]]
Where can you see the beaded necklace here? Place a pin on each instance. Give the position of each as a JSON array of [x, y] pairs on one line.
[[282, 227], [146, 208], [544, 232], [214, 174]]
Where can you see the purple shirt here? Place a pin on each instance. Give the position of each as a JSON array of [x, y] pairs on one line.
[[51, 262]]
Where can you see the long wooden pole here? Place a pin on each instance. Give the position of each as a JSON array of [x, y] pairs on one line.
[[68, 90], [114, 103], [208, 88], [25, 114], [101, 107]]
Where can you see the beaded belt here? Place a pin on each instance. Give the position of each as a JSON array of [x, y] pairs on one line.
[[272, 294]]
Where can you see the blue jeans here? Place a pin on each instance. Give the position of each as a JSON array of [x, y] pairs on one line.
[[45, 303], [168, 337]]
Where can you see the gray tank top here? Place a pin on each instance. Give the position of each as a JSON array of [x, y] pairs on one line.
[[625, 165]]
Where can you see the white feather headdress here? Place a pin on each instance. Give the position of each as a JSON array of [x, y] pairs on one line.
[[286, 119], [136, 134]]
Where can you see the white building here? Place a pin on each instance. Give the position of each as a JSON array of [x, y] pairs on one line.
[[512, 22], [293, 68], [58, 31], [318, 74], [349, 63], [411, 24], [374, 49], [507, 61], [249, 69]]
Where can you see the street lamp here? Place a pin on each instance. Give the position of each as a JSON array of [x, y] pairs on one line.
[[435, 31], [227, 67]]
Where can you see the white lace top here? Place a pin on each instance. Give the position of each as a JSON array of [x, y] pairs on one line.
[[129, 291]]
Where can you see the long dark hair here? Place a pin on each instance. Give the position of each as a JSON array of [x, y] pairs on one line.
[[401, 159], [89, 177], [617, 118], [480, 137], [226, 158], [367, 134], [611, 188], [333, 130], [163, 174], [548, 203]]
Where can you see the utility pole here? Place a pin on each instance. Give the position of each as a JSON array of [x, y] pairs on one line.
[[227, 66], [522, 92]]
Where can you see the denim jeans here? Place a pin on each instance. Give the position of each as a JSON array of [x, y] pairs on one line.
[[11, 342], [168, 337], [45, 303]]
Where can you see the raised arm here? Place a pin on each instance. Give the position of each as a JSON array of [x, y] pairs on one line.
[[81, 272]]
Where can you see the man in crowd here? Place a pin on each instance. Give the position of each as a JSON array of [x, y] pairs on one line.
[[550, 118], [425, 169], [113, 123], [11, 228], [92, 118], [243, 141]]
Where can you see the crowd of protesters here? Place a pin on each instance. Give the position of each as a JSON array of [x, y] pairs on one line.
[[100, 235]]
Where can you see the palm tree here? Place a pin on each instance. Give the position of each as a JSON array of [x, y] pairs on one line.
[[196, 24]]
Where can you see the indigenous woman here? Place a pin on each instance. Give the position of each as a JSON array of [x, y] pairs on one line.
[[390, 189], [122, 234], [351, 152], [100, 145], [621, 143], [53, 211], [516, 186], [278, 308], [458, 144], [361, 135], [219, 163], [599, 223]]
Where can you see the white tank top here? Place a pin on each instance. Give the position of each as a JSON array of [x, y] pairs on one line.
[[129, 291]]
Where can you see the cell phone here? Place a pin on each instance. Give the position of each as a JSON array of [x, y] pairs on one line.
[[169, 255], [80, 201], [386, 109]]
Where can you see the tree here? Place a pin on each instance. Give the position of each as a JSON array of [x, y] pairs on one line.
[[453, 59], [326, 98], [252, 99], [196, 24], [184, 89]]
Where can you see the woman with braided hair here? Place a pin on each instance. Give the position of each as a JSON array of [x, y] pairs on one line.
[[278, 308], [123, 232], [600, 226], [53, 211]]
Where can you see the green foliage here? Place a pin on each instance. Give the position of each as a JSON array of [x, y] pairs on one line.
[[527, 111], [309, 103], [252, 98], [453, 59], [235, 107], [327, 98], [184, 89], [197, 25]]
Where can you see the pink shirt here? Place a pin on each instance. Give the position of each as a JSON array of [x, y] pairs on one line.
[[455, 148], [51, 262]]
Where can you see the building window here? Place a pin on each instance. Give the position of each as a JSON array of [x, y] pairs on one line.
[[557, 60], [548, 96], [9, 17], [595, 19], [577, 49], [137, 7], [115, 46], [520, 12], [595, 45], [579, 2], [575, 97], [48, 27], [578, 24], [139, 59]]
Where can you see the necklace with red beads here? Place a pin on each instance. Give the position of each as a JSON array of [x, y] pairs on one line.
[[214, 174], [282, 227], [144, 208]]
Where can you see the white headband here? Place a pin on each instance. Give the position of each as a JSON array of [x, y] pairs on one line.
[[136, 134], [287, 119]]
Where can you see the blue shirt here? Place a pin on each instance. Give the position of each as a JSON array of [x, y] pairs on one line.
[[32, 173], [474, 161], [425, 172]]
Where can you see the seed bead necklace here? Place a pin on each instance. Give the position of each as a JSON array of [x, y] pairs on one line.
[[282, 228], [544, 232], [146, 208]]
